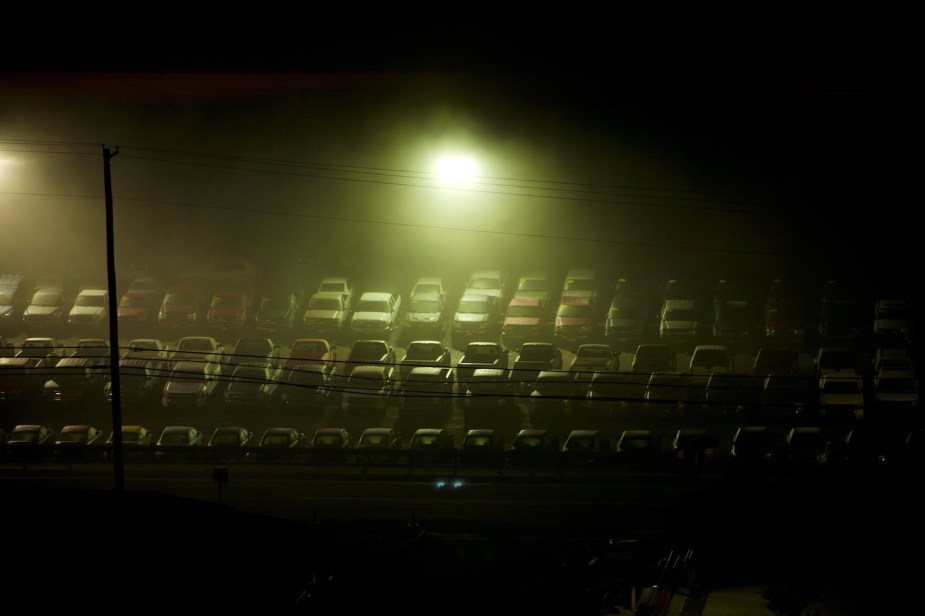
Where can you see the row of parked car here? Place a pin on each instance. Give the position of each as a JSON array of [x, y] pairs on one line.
[[534, 305], [753, 447], [256, 374]]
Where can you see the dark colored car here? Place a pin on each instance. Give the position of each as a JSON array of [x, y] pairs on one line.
[[533, 358], [278, 444], [480, 355]]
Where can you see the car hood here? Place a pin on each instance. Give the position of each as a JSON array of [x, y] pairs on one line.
[[671, 324], [132, 311], [42, 310], [381, 317], [471, 317], [532, 365], [242, 387], [521, 321], [421, 317], [561, 321], [183, 387], [323, 314], [87, 311], [226, 313]]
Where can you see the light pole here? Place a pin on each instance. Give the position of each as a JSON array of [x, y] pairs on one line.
[[116, 389]]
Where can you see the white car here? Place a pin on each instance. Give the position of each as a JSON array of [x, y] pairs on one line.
[[90, 309], [679, 320]]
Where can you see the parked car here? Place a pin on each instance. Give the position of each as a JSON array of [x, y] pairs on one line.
[[201, 349], [183, 306], [192, 384], [694, 448], [477, 318], [432, 446], [609, 392], [78, 442], [754, 447], [553, 393], [841, 396], [309, 351], [480, 355], [639, 448], [139, 381], [30, 442], [379, 445], [581, 282], [278, 444], [486, 392], [807, 448], [278, 311], [230, 309], [679, 321], [331, 444], [364, 352], [426, 389], [178, 443], [229, 443], [75, 382], [16, 290], [378, 314], [336, 438], [783, 360], [532, 359], [326, 315], [48, 349], [149, 349], [253, 350], [575, 321], [525, 319], [90, 311], [48, 310], [137, 443], [430, 284], [379, 438], [534, 447], [626, 321], [482, 446], [894, 319], [367, 389], [252, 385], [303, 387], [138, 308], [591, 358], [585, 447], [536, 285], [430, 353], [490, 282], [22, 380], [426, 316], [343, 286], [649, 358]]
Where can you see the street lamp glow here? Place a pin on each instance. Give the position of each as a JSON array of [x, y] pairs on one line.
[[457, 168]]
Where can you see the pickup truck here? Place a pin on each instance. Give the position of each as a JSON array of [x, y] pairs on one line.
[[377, 314]]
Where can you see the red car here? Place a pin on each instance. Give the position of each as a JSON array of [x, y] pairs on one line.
[[181, 306], [230, 309]]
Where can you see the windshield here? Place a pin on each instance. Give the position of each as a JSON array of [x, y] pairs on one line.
[[373, 306], [418, 305], [571, 310], [324, 304], [523, 311], [46, 299], [469, 306], [94, 301], [424, 351]]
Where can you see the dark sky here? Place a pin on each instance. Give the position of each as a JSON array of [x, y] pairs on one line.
[[792, 144]]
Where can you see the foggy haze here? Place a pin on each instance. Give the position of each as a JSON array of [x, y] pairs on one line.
[[334, 171]]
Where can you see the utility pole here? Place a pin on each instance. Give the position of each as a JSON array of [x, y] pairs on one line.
[[115, 387]]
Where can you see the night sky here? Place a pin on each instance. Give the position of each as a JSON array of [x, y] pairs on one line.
[[712, 151]]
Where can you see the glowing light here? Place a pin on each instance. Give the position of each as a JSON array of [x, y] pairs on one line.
[[456, 168]]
